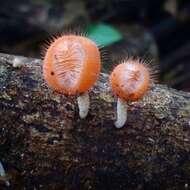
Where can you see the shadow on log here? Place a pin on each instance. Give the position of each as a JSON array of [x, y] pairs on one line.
[[45, 145]]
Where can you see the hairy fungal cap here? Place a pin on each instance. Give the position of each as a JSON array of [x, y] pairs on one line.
[[130, 80], [71, 64]]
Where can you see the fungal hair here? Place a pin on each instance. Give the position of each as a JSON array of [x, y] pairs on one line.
[[103, 54], [70, 30]]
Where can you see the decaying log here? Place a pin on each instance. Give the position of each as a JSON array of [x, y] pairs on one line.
[[45, 145]]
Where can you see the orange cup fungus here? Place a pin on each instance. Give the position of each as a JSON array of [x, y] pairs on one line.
[[129, 80], [71, 66]]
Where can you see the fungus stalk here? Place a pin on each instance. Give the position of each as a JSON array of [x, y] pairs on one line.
[[121, 113], [130, 80], [3, 174], [83, 104]]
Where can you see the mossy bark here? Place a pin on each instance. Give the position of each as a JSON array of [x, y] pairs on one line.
[[45, 145]]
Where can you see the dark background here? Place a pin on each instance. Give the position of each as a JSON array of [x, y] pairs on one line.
[[157, 30]]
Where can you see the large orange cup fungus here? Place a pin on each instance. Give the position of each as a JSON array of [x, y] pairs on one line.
[[129, 80], [71, 66]]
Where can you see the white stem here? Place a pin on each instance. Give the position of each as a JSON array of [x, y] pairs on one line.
[[7, 183], [83, 104], [121, 113], [3, 174]]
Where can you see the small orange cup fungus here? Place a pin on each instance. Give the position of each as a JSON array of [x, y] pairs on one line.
[[71, 66], [129, 80]]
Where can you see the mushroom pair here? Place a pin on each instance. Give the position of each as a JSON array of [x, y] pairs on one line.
[[72, 65]]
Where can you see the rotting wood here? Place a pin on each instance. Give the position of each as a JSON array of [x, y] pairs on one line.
[[45, 145]]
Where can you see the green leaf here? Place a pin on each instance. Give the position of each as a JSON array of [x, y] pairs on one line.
[[103, 34]]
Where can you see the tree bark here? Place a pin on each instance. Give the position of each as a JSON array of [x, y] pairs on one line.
[[45, 145]]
